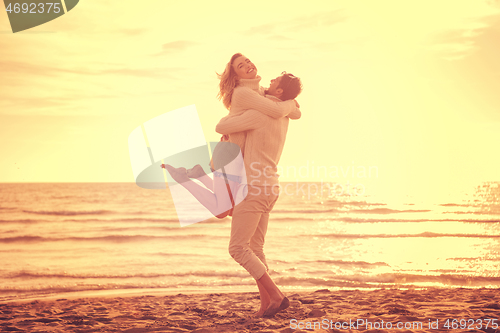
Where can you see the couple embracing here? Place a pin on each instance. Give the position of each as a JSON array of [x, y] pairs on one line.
[[257, 123]]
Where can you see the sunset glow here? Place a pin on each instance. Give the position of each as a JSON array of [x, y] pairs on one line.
[[410, 88]]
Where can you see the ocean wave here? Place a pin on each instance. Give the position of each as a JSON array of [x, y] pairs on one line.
[[100, 220], [22, 221], [69, 212], [343, 263], [307, 211], [363, 264], [473, 259], [423, 234], [118, 219], [454, 205], [63, 275], [126, 220], [292, 219], [339, 203], [391, 279], [478, 212], [388, 211], [275, 218], [145, 238], [110, 238], [205, 280], [369, 220], [360, 211], [15, 293]]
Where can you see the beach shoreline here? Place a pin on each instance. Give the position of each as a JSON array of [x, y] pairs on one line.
[[320, 311]]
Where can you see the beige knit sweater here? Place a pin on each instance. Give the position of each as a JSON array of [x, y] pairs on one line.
[[264, 136]]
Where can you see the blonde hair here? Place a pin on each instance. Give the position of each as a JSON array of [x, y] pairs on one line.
[[228, 81]]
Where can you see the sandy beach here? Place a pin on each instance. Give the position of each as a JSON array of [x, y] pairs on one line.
[[382, 310]]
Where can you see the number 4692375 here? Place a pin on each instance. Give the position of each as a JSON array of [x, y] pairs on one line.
[[470, 324], [31, 8]]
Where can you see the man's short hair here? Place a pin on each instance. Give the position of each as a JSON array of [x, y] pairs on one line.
[[291, 86]]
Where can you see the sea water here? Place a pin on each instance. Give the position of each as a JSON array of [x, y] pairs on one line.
[[86, 237]]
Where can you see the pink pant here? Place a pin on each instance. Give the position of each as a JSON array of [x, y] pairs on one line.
[[249, 227]]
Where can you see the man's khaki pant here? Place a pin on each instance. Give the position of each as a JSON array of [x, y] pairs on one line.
[[249, 227]]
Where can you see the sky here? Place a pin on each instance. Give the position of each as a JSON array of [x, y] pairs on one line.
[[408, 89]]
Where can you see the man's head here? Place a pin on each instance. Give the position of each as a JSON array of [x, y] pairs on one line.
[[285, 87]]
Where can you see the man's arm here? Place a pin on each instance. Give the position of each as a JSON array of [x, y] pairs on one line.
[[248, 120], [295, 114], [246, 98]]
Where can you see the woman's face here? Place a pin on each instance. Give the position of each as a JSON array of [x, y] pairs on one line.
[[244, 68]]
